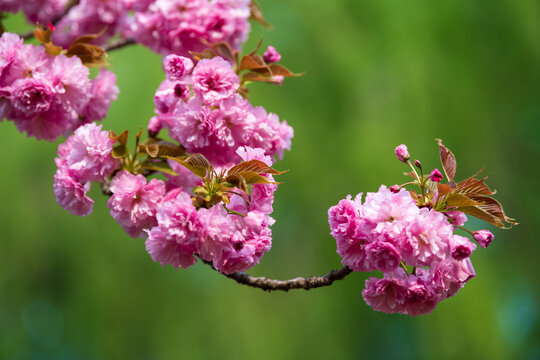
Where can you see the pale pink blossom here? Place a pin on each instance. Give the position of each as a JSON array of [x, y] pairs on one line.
[[456, 217], [427, 238]]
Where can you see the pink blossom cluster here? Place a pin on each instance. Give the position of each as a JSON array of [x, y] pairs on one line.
[[388, 232], [232, 241], [180, 26], [202, 110], [47, 96], [105, 17], [84, 157], [36, 11]]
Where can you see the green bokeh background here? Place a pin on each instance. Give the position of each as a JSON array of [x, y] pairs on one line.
[[378, 73]]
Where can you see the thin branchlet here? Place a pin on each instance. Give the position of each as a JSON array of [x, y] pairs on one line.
[[268, 284], [71, 5]]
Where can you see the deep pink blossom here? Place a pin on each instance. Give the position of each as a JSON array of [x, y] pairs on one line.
[[103, 91], [421, 295], [71, 194], [177, 67], [134, 202], [383, 256], [436, 176], [461, 247], [214, 80], [176, 237], [387, 294], [271, 55], [456, 217], [31, 96]]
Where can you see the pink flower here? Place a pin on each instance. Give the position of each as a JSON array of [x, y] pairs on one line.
[[31, 96], [387, 294], [391, 213], [383, 256], [427, 238], [421, 297], [71, 194], [271, 55], [214, 80], [436, 176], [451, 275], [402, 153], [483, 237], [176, 237], [460, 247], [48, 125], [103, 92], [457, 218], [69, 78], [134, 202], [219, 231], [177, 67], [89, 156], [344, 217]]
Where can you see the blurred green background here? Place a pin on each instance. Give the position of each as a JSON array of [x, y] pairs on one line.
[[378, 74]]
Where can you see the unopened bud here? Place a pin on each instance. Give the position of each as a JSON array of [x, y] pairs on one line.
[[483, 237], [394, 189], [271, 55], [418, 164], [436, 176], [402, 153]]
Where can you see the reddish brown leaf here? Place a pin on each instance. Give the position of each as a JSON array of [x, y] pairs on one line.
[[251, 76], [119, 152], [475, 186], [458, 200], [482, 215], [121, 139], [256, 166], [282, 70], [493, 207], [196, 163], [443, 189], [250, 62], [448, 161], [256, 15], [237, 181]]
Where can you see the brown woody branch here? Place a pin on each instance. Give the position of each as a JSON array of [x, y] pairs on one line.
[[268, 284], [119, 44]]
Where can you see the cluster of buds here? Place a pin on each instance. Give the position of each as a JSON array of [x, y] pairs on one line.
[[411, 236]]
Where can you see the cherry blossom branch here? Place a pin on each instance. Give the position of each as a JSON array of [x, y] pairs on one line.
[[119, 44], [268, 284]]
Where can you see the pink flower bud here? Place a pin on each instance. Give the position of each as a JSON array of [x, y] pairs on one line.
[[402, 153], [436, 176], [483, 237], [394, 189], [177, 67], [461, 247], [271, 55], [418, 164]]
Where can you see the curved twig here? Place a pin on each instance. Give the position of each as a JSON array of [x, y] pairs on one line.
[[119, 44], [268, 284]]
